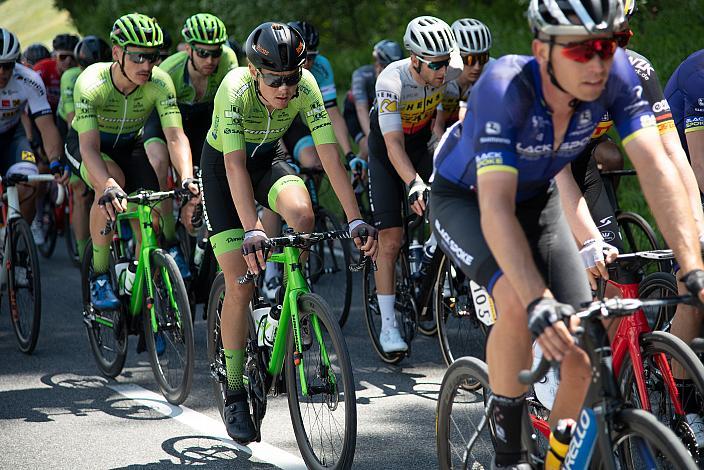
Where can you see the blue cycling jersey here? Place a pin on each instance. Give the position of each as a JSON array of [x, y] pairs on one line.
[[322, 72], [685, 94], [508, 126]]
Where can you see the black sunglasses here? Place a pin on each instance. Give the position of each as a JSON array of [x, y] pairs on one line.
[[141, 57], [205, 53], [437, 65], [480, 59], [7, 65], [276, 81]]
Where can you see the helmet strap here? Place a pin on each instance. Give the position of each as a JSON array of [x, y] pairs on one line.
[[193, 62], [553, 79], [122, 65]]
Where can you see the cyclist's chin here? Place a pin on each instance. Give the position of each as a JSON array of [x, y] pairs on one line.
[[141, 78], [280, 102]]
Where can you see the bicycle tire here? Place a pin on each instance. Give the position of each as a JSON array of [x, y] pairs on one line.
[[659, 285], [49, 229], [27, 311], [372, 316], [72, 244], [329, 261], [458, 380], [216, 353], [652, 344], [653, 434], [326, 392], [108, 344], [174, 386], [455, 317], [186, 243]]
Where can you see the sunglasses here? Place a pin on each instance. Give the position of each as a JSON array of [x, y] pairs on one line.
[[623, 37], [479, 59], [311, 55], [277, 81], [63, 57], [141, 57], [584, 51], [435, 66], [7, 65], [205, 53]]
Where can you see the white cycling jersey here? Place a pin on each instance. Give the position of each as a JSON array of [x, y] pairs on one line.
[[25, 88]]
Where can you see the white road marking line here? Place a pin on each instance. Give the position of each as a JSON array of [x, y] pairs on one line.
[[206, 425]]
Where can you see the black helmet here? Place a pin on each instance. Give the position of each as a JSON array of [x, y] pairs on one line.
[[236, 46], [92, 49], [65, 42], [168, 42], [309, 33], [36, 52], [276, 46]]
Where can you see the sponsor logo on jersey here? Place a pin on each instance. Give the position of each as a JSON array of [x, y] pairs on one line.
[[647, 121], [661, 106], [585, 118], [641, 66], [28, 157], [492, 128], [541, 149], [16, 103], [489, 159], [575, 144], [5, 103], [388, 106], [538, 121], [701, 102], [494, 140]]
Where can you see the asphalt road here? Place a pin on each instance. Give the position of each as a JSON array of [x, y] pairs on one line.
[[56, 411]]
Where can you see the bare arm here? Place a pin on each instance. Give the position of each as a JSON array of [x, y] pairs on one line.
[[339, 180], [179, 151], [575, 207], [505, 237], [340, 128], [674, 150], [50, 136], [666, 197], [241, 189], [440, 123], [363, 116]]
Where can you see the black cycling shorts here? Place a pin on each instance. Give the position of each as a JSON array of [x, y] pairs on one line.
[[350, 114], [129, 156], [455, 217], [268, 176], [16, 153], [196, 124], [387, 191]]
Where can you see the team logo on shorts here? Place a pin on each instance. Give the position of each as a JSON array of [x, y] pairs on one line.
[[28, 157]]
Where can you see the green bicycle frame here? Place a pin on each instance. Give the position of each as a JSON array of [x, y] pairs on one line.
[[143, 276], [295, 286]]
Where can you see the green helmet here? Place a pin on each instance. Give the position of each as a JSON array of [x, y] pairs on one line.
[[204, 28], [135, 29]]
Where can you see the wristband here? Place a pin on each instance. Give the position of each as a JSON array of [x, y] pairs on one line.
[[254, 233], [353, 224]]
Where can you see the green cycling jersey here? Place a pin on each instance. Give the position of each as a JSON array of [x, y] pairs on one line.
[[101, 106], [242, 122], [68, 81], [176, 65]]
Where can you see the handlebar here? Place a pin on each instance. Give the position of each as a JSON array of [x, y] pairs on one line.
[[15, 178], [627, 172]]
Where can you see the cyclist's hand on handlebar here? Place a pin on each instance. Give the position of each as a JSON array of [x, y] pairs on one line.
[[694, 280], [359, 229], [113, 201], [191, 184], [545, 322], [596, 254], [254, 250], [417, 195]]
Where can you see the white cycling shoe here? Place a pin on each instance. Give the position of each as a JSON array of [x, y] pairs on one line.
[[696, 423], [391, 341]]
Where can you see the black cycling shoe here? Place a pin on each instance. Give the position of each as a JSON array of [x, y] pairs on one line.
[[238, 421]]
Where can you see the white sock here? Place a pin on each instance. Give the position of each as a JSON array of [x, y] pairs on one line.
[[271, 271], [388, 313]]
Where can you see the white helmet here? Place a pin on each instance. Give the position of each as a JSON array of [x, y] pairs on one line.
[[575, 17], [428, 36], [472, 36], [9, 46]]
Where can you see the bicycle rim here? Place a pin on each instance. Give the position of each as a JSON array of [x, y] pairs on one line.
[[658, 286], [372, 316], [171, 347], [24, 269], [324, 420]]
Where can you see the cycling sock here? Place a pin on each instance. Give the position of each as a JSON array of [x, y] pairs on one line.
[[101, 259], [507, 414], [234, 363], [688, 395], [81, 247], [388, 313], [169, 226]]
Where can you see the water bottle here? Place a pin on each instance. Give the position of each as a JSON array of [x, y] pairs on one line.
[[559, 443], [198, 253], [129, 277], [415, 256], [260, 315], [121, 274], [546, 388]]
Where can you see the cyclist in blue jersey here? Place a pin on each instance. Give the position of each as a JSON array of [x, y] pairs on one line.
[[497, 213]]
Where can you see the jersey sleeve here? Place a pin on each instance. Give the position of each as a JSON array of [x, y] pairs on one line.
[[313, 111], [165, 99], [86, 98], [388, 101], [652, 92], [230, 58], [359, 89], [227, 130], [628, 107], [692, 88], [68, 81], [450, 97], [37, 101], [326, 81]]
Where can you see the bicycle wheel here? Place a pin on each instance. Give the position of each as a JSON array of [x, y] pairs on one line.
[[324, 419], [171, 346], [636, 233], [657, 286], [72, 245], [655, 347], [460, 333], [25, 292], [372, 316], [49, 230], [216, 353], [328, 264], [186, 243], [641, 441], [459, 414], [107, 330]]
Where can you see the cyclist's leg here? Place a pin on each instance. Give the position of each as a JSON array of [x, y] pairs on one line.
[[81, 213], [22, 160], [286, 194]]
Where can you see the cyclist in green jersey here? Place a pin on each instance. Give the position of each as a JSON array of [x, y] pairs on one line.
[[241, 162], [113, 101], [88, 51], [196, 73]]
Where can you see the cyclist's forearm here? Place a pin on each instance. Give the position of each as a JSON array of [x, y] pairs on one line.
[[439, 125], [50, 136], [241, 190], [674, 149], [363, 117], [575, 208], [179, 152], [339, 180], [340, 128]]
